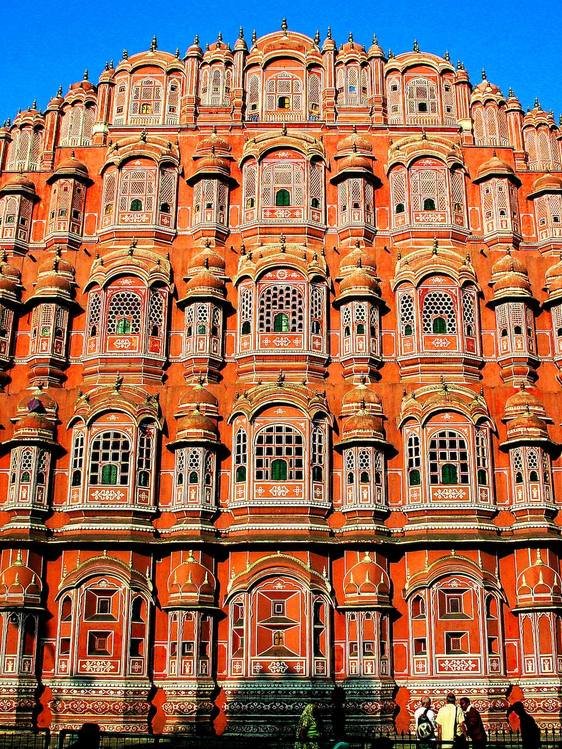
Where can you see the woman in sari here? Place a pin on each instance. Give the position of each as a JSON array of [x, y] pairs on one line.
[[308, 729]]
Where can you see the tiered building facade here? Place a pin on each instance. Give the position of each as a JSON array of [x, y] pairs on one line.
[[280, 348]]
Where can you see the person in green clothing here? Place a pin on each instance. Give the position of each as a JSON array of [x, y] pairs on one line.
[[308, 729]]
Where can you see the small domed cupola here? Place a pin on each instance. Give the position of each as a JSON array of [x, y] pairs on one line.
[[367, 585], [191, 585]]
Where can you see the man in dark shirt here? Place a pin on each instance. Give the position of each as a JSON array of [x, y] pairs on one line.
[[530, 732], [474, 726]]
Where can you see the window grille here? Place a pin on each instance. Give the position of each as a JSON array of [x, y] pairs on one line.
[[398, 192], [317, 449], [421, 98], [278, 444], [469, 312], [137, 185], [173, 102], [281, 299], [316, 184], [26, 466], [124, 305], [314, 96], [110, 450], [77, 459], [246, 310], [167, 192], [438, 304], [556, 312], [108, 200], [482, 461], [241, 455], [449, 103], [120, 101], [146, 102], [479, 128], [414, 460], [394, 99], [448, 458], [144, 455], [156, 311], [407, 315], [253, 96], [316, 307], [350, 466], [428, 184], [250, 178]]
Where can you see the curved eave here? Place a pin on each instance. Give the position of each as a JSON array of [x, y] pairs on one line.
[[553, 448], [359, 171], [356, 441]]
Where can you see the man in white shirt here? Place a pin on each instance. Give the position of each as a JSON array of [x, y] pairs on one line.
[[450, 723], [424, 718]]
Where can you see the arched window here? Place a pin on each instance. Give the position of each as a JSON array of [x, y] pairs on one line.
[[429, 204], [279, 454], [418, 607], [124, 313], [282, 198], [448, 458], [421, 101], [110, 459], [279, 302], [439, 313], [407, 314], [136, 205], [241, 455], [414, 460]]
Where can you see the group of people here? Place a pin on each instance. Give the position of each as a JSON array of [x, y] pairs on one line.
[[454, 724]]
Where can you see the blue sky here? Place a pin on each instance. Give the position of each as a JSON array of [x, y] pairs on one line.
[[50, 43]]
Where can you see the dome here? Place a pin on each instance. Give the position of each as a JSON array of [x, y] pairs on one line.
[[191, 584], [359, 283], [37, 402], [553, 282], [71, 167], [508, 263], [10, 281], [212, 144], [539, 585], [205, 284], [366, 584], [359, 256], [354, 162], [484, 90], [198, 398], [375, 50], [18, 184], [34, 427], [512, 284], [354, 142], [361, 397], [196, 427], [363, 426], [527, 427], [211, 165], [548, 183], [19, 586], [523, 402], [495, 167], [209, 259]]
